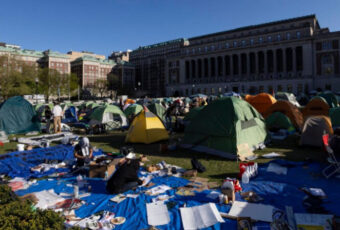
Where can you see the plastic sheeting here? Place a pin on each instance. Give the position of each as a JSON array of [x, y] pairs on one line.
[[19, 164], [276, 190]]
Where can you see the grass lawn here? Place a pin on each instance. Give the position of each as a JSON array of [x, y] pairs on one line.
[[217, 168]]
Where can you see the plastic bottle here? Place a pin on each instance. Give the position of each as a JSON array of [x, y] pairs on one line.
[[245, 177]]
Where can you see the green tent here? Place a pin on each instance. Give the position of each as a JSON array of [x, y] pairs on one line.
[[277, 121], [223, 125], [110, 115], [133, 109], [18, 116], [192, 113], [331, 99], [158, 110], [334, 114]]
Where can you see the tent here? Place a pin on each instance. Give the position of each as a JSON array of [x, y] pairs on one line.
[[277, 120], [146, 128], [261, 102], [316, 106], [193, 113], [287, 97], [288, 109], [133, 110], [330, 98], [18, 116], [70, 115], [223, 126], [110, 115], [334, 114], [199, 96], [231, 94], [158, 110], [313, 129]]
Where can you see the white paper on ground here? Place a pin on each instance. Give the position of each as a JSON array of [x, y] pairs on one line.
[[313, 220], [146, 180], [47, 198], [213, 195], [158, 190], [157, 214], [134, 196], [278, 169], [271, 155], [202, 216], [258, 212]]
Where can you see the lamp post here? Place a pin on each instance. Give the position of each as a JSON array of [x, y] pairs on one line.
[[36, 90]]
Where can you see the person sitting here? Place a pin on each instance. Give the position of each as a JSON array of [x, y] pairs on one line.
[[125, 177], [83, 151]]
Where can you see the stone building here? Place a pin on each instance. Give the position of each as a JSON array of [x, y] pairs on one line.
[[150, 65], [294, 55]]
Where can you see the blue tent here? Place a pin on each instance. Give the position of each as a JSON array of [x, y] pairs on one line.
[[70, 115]]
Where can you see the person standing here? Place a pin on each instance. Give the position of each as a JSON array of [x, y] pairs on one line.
[[48, 115], [57, 114]]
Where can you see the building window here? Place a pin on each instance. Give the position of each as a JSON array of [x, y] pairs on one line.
[[279, 88], [327, 45], [199, 49], [260, 39], [300, 88], [298, 34], [269, 38], [243, 43], [227, 45], [251, 41], [193, 50], [212, 91], [289, 88], [261, 88], [279, 37], [328, 87], [213, 47], [288, 36], [235, 43], [206, 49]]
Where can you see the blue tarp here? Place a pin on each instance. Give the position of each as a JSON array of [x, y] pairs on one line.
[[276, 190], [18, 164]]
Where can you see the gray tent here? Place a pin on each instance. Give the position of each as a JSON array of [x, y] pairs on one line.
[[313, 129]]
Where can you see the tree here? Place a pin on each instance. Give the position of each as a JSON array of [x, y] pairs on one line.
[[113, 82], [50, 81], [100, 86]]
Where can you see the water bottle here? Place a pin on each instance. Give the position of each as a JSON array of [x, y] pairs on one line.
[[245, 177]]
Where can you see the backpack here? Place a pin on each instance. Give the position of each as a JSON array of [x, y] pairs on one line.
[[197, 165]]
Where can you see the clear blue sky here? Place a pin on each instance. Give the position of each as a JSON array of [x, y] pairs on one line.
[[103, 26]]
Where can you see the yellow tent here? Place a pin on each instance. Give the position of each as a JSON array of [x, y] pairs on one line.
[[146, 128]]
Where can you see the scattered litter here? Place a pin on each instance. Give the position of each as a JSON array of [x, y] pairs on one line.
[[202, 216], [157, 214], [118, 198], [133, 196], [157, 190], [47, 199], [259, 212]]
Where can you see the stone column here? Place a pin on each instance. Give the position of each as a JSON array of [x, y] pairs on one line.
[[284, 69], [231, 64], [248, 65], [265, 64], [274, 64], [223, 67], [294, 59]]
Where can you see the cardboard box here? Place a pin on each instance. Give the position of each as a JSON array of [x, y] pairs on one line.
[[99, 171]]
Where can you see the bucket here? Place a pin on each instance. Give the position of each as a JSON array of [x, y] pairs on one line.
[[20, 147]]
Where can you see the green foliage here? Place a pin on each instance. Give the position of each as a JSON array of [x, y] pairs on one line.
[[18, 78], [16, 214]]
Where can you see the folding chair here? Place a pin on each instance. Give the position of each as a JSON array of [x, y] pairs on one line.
[[334, 164]]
